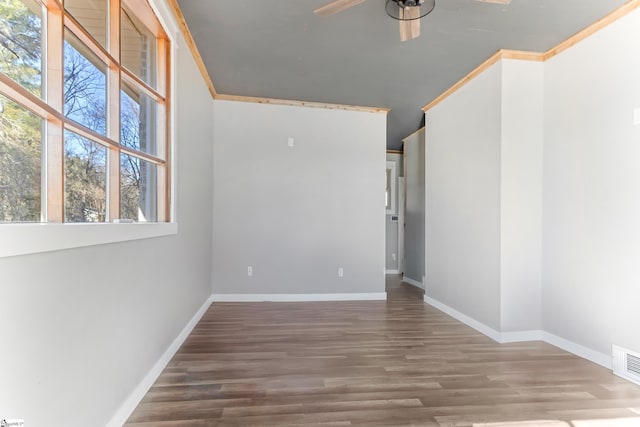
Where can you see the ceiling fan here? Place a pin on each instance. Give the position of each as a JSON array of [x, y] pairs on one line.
[[407, 12]]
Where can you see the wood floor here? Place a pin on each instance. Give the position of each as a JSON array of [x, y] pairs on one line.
[[393, 363]]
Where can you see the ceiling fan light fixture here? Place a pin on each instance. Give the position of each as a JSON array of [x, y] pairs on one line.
[[396, 9]]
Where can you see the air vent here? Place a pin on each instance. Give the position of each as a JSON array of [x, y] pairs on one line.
[[633, 364], [626, 364]]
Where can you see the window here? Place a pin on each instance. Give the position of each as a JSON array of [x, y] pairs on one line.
[[83, 117], [85, 179], [20, 163]]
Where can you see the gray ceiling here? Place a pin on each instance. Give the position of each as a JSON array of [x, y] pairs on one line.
[[281, 49]]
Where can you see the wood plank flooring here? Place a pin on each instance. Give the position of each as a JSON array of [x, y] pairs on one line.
[[393, 363]]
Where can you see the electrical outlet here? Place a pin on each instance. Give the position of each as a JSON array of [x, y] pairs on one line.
[[340, 272], [393, 257], [636, 116], [249, 271], [291, 142]]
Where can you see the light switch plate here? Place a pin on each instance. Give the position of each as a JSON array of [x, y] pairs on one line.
[[636, 116]]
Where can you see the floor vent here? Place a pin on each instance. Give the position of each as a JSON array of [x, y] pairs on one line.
[[626, 364]]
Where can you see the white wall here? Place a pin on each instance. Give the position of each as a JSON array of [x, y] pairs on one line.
[[463, 199], [414, 236], [521, 195], [391, 238], [591, 242], [568, 194], [298, 214], [484, 197], [81, 328]]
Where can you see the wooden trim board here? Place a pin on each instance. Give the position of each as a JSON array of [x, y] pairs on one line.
[[215, 95], [258, 100], [537, 56], [522, 55], [422, 129], [463, 81], [501, 54], [623, 10], [192, 45]]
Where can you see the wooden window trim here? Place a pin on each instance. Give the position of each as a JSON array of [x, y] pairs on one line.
[[137, 82], [28, 100], [54, 71], [51, 107], [113, 121], [71, 24], [145, 14]]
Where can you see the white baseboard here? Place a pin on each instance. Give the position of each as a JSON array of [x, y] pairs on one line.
[[579, 350], [520, 336], [130, 404], [369, 296], [469, 321], [392, 272], [412, 282]]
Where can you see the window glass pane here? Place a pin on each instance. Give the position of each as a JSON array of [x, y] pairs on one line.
[[138, 189], [137, 120], [92, 15], [20, 163], [138, 48], [21, 43], [85, 179], [85, 85]]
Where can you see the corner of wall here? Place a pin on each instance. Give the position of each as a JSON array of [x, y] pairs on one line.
[[521, 194], [126, 409]]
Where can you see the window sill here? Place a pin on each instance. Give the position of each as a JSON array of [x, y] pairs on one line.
[[23, 239]]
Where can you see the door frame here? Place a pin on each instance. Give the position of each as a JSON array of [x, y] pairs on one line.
[[401, 210]]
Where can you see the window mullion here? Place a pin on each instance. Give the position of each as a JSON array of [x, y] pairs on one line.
[[25, 98], [163, 130], [136, 81], [55, 99], [113, 177], [87, 40]]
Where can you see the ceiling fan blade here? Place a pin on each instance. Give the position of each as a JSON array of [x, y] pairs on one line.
[[410, 29], [336, 6]]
